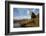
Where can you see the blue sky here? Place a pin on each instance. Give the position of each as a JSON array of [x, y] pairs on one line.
[[23, 11]]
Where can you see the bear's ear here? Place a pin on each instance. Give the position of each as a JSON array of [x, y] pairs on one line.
[[33, 15]]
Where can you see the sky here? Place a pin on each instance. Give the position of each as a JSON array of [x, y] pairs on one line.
[[20, 11], [35, 10], [24, 12]]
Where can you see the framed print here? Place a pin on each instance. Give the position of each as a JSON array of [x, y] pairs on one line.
[[24, 17]]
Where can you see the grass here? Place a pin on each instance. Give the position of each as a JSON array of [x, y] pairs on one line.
[[34, 22]]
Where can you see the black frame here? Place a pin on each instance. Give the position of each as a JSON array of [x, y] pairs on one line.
[[7, 20]]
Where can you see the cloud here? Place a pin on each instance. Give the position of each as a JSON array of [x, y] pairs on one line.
[[22, 17]]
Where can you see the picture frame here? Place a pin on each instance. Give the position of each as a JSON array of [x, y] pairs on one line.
[[8, 7]]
